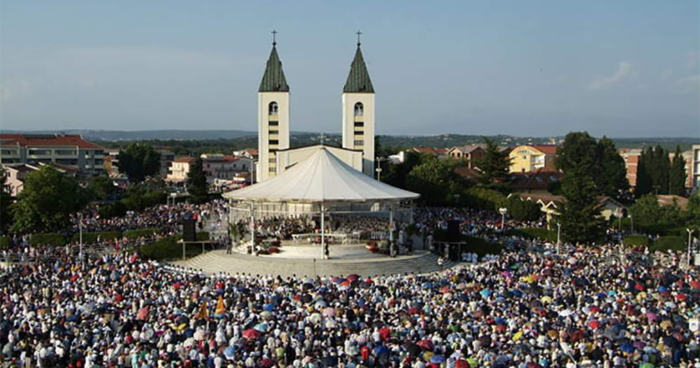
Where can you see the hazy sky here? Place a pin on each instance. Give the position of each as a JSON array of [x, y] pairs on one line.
[[540, 68]]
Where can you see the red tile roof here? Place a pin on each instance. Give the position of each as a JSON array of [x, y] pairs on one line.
[[540, 179], [188, 159], [24, 140], [547, 149]]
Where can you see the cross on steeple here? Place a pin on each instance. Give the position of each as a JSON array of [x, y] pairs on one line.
[[274, 37], [322, 139], [358, 38]]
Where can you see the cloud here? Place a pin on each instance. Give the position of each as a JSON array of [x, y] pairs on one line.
[[689, 83], [692, 60], [15, 88], [624, 71]]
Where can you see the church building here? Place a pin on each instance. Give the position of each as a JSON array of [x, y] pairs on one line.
[[274, 152]]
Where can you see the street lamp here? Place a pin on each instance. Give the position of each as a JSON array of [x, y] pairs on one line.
[[631, 225], [503, 212], [80, 231], [379, 168], [690, 240], [558, 236]]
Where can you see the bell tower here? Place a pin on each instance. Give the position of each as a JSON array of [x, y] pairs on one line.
[[358, 111], [273, 115]]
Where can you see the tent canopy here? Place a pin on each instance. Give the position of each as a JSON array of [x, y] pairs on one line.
[[321, 178]]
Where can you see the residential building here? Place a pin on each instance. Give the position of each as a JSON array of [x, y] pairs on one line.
[[15, 175], [529, 158], [631, 157], [439, 152], [471, 154], [166, 160], [62, 149], [536, 182], [250, 153], [695, 167], [549, 205], [215, 166]]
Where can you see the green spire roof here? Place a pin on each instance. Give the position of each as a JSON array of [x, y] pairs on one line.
[[274, 80], [358, 79]]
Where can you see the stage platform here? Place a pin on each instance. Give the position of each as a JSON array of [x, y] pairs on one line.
[[307, 261]]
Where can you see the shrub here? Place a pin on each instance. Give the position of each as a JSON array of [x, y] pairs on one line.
[[483, 198], [168, 248], [5, 242], [118, 209], [636, 240], [665, 243], [135, 234], [48, 239], [92, 237]]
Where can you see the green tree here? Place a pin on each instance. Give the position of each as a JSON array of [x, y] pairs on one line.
[[46, 202], [677, 175], [5, 202], [139, 161], [101, 187], [611, 178], [579, 215], [521, 210], [197, 182], [495, 165], [653, 172], [146, 194], [433, 180]]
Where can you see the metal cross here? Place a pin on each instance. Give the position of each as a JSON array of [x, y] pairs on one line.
[[358, 38], [322, 139], [274, 37]]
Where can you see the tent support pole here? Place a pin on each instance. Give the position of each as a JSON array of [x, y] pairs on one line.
[[323, 232], [391, 224], [252, 225]]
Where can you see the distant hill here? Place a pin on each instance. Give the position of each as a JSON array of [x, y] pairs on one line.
[[141, 135]]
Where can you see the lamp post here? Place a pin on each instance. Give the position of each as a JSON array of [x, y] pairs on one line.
[[503, 212], [690, 240], [558, 237], [631, 225], [80, 231], [379, 168]]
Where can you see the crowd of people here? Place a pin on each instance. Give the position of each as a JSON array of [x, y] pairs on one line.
[[598, 307]]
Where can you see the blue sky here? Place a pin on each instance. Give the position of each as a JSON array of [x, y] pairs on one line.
[[539, 68]]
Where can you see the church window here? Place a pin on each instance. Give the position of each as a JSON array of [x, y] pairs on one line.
[[359, 109], [273, 108]]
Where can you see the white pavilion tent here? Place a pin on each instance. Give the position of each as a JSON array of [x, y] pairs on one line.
[[321, 178], [319, 183]]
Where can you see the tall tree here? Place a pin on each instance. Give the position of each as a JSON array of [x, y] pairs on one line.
[[495, 164], [138, 161], [433, 179], [46, 202], [197, 182], [677, 175], [5, 202], [579, 215], [644, 183], [611, 179]]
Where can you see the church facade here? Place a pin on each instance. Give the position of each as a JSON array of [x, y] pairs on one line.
[[358, 121]]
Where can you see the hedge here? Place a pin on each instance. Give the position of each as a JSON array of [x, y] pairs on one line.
[[473, 244], [5, 242], [534, 233], [664, 243], [168, 248], [91, 237], [48, 239], [483, 198], [135, 234], [636, 240]]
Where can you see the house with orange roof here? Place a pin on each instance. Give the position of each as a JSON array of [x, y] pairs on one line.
[[528, 158]]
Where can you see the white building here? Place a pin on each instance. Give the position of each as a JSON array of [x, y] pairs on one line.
[[274, 152], [695, 167]]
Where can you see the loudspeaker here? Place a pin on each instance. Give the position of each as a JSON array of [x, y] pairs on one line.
[[453, 231], [189, 230]]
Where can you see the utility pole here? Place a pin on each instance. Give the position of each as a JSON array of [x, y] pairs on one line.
[[690, 241]]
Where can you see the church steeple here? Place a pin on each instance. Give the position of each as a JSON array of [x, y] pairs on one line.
[[358, 79], [273, 80]]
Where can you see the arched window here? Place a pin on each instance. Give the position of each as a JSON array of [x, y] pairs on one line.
[[359, 109], [274, 108]]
